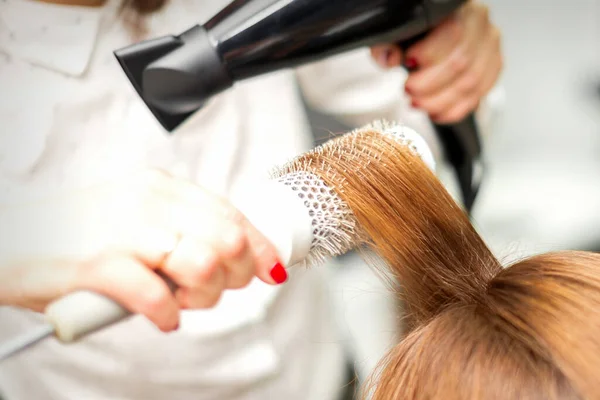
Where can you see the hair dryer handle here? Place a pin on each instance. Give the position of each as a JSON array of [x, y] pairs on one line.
[[462, 147]]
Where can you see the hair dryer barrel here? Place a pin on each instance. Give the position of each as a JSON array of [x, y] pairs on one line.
[[176, 75]]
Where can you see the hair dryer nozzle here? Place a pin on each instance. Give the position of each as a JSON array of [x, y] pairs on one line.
[[175, 75]]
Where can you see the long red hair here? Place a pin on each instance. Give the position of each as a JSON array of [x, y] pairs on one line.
[[474, 329]]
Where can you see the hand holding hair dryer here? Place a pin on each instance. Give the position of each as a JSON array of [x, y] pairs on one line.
[[176, 75]]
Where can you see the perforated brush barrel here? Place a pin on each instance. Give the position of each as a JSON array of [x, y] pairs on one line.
[[334, 229]]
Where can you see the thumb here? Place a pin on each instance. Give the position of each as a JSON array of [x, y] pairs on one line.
[[387, 55]]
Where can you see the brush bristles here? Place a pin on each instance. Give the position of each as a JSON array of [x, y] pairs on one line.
[[336, 230], [334, 225]]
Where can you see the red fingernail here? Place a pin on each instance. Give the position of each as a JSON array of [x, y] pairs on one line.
[[408, 90], [414, 103], [278, 273], [411, 63]]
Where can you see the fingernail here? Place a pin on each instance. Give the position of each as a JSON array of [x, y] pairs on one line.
[[278, 273], [408, 90], [414, 103], [411, 63]]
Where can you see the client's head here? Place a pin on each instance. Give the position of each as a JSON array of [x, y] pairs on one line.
[[474, 330]]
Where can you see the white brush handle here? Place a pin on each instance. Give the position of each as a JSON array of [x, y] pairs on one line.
[[275, 210], [83, 312]]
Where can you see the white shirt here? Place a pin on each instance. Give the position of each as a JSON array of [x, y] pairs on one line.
[[70, 118]]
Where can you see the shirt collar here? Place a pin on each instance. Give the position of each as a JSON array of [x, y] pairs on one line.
[[57, 37]]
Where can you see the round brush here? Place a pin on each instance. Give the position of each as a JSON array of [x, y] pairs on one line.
[[302, 216]]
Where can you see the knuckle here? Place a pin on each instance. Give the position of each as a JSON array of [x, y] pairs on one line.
[[415, 88], [212, 301], [215, 298], [458, 113], [167, 324], [455, 115], [241, 279], [242, 283], [206, 300], [468, 83], [472, 105], [459, 60], [435, 108], [235, 243], [205, 269], [153, 300]]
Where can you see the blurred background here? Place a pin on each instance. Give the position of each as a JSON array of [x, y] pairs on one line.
[[542, 189]]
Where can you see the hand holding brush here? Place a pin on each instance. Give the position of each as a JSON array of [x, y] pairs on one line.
[[296, 217]]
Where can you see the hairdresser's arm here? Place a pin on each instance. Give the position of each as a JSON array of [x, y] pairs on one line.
[[456, 65], [112, 238]]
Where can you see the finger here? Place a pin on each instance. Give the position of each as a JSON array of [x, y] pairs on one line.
[[432, 79], [269, 268], [223, 246], [458, 112], [426, 81], [150, 244], [204, 211], [437, 45], [237, 255], [206, 297], [387, 56], [240, 246], [134, 286], [468, 105], [468, 84], [194, 262], [263, 254]]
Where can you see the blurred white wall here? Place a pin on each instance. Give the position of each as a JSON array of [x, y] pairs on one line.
[[543, 190]]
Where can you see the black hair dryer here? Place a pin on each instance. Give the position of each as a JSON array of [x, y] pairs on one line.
[[176, 75]]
